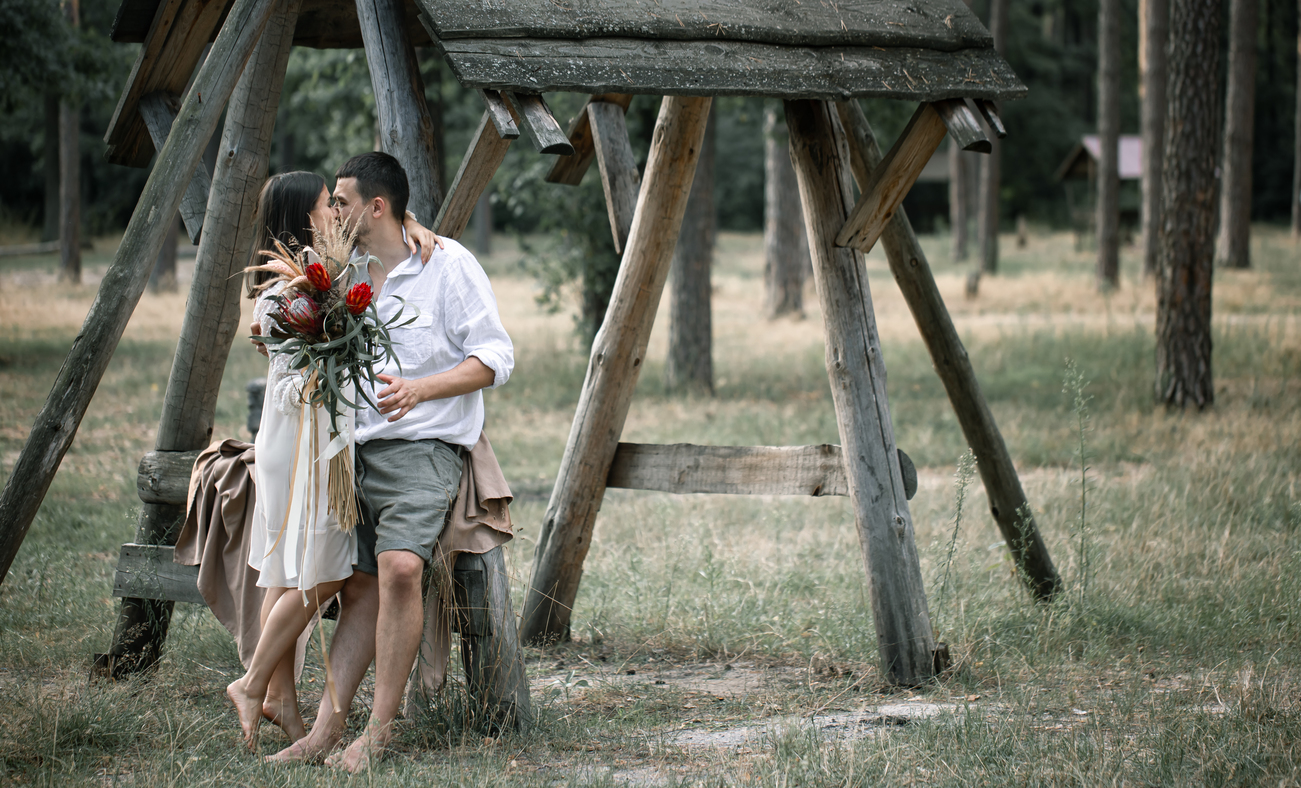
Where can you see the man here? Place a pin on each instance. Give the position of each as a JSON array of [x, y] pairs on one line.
[[408, 452]]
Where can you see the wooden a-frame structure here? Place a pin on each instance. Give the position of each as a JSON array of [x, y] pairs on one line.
[[816, 57]]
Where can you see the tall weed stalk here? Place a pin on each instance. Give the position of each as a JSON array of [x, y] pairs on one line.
[[962, 479], [1073, 387]]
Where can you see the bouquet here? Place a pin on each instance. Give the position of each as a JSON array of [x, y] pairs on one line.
[[334, 336]]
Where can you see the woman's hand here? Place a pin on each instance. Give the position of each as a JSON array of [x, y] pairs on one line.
[[417, 234]]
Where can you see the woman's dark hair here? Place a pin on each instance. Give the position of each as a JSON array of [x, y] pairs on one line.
[[282, 215]]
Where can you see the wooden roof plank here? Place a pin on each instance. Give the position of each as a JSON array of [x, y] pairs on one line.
[[179, 32], [933, 24], [719, 68]]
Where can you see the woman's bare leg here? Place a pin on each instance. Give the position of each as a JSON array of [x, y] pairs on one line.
[[287, 619]]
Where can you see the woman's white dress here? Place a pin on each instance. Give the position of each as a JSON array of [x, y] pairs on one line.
[[313, 549]]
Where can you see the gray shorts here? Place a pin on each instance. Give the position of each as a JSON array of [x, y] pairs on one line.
[[406, 491]]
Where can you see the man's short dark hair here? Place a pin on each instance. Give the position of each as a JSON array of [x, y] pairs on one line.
[[379, 175]]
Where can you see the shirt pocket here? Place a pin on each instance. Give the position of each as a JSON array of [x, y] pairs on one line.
[[413, 344]]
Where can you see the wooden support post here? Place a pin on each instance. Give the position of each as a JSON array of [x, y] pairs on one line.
[[212, 313], [570, 169], [618, 167], [892, 179], [159, 111], [1007, 501], [857, 372], [480, 163], [490, 648], [125, 280], [617, 355], [406, 129]]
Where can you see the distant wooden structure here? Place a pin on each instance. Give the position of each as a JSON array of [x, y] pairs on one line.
[[1081, 164], [815, 56]]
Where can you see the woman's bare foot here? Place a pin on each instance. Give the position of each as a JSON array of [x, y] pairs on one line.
[[368, 746], [285, 715], [249, 710]]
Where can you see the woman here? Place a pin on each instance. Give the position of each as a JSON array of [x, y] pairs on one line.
[[303, 563]]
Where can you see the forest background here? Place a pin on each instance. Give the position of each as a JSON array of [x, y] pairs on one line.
[[328, 115]]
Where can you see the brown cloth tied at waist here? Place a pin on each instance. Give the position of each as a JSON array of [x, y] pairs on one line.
[[219, 514]]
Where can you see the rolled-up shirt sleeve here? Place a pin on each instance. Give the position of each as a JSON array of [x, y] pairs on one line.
[[473, 321]]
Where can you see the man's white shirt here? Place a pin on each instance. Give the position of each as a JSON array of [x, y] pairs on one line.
[[455, 318]]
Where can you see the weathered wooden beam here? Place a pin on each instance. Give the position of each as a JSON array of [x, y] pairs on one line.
[[989, 111], [719, 67], [962, 125], [617, 354], [164, 476], [683, 468], [857, 372], [490, 646], [534, 116], [212, 311], [406, 129], [173, 47], [892, 178], [500, 114], [618, 165], [1007, 500], [120, 290], [159, 110], [570, 170], [484, 156], [147, 571], [945, 24]]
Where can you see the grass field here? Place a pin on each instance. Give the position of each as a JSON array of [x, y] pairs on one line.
[[726, 640]]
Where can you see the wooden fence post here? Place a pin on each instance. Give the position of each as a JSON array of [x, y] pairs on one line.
[[212, 313], [1007, 501], [857, 373], [406, 130], [125, 280], [617, 354]]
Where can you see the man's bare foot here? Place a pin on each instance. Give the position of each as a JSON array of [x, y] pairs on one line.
[[305, 751], [249, 710], [285, 715], [368, 746]]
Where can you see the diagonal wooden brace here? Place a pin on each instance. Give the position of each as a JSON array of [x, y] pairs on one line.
[[484, 156], [570, 170], [618, 167], [534, 117], [159, 110], [892, 179]]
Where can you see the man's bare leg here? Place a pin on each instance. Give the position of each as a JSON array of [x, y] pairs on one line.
[[352, 649], [398, 631]]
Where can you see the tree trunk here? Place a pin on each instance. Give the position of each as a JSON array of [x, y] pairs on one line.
[[70, 177], [1154, 21], [991, 165], [785, 253], [1187, 227], [1233, 247], [405, 128], [163, 278], [958, 202], [50, 227], [1296, 156], [690, 365], [1108, 208]]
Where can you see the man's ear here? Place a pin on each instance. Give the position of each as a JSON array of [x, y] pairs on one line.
[[378, 207]]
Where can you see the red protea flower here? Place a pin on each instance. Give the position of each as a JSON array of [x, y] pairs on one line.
[[302, 315], [358, 298], [318, 277]]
